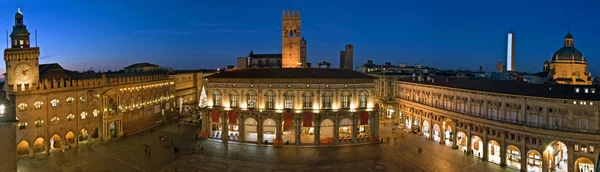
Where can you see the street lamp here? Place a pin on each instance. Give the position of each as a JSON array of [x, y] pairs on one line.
[[2, 107]]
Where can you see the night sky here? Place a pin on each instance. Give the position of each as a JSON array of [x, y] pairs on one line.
[[111, 34]]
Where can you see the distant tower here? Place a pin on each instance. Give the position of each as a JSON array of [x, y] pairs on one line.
[[303, 52], [500, 67], [291, 40], [342, 59], [21, 59], [510, 52]]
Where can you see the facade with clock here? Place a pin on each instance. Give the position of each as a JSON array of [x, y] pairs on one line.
[[59, 109]]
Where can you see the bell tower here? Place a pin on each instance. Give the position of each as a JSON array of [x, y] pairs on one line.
[[291, 40], [21, 59]]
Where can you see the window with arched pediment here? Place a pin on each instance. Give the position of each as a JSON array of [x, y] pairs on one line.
[[83, 115], [22, 106], [70, 100], [362, 99], [326, 102], [54, 120], [39, 122], [96, 111], [307, 99], [234, 99], [131, 104], [251, 97], [38, 105], [139, 102], [269, 100], [346, 99], [288, 100], [70, 117], [82, 99], [217, 98], [54, 102]]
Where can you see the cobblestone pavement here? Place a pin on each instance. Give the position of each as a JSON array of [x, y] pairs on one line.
[[400, 154]]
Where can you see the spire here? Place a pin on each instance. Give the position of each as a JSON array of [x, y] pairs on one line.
[[569, 41], [20, 35]]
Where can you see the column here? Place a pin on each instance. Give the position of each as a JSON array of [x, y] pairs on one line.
[[317, 129], [259, 129], [486, 145], [225, 123], [206, 122], [430, 132], [336, 129], [523, 150], [298, 128], [242, 128], [31, 149], [354, 127], [443, 133], [375, 127], [570, 156], [545, 160], [469, 141], [454, 135], [278, 131], [502, 149]]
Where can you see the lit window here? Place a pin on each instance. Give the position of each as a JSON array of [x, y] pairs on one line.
[[346, 100], [586, 90], [591, 149], [593, 90], [96, 111], [82, 99], [39, 122], [327, 100], [83, 115], [70, 100], [576, 147], [22, 125], [233, 99], [54, 120], [2, 107], [22, 106], [37, 105], [251, 100], [70, 117], [217, 99], [577, 90], [54, 102], [307, 100], [288, 101], [270, 100], [363, 100]]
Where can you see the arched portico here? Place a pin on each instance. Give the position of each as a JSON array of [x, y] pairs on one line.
[[250, 130], [513, 157], [436, 133], [307, 133], [326, 132], [69, 139], [345, 130], [83, 136], [55, 142], [23, 148], [534, 161], [584, 165], [425, 129], [477, 146], [269, 130], [38, 145], [556, 156], [462, 141], [448, 131], [494, 152]]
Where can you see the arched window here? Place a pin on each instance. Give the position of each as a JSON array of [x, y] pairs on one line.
[[83, 115], [96, 111], [131, 103], [70, 100], [22, 106], [37, 104], [39, 122], [362, 100], [54, 102], [54, 120], [139, 102], [233, 99], [217, 99], [326, 102], [251, 100], [307, 99], [70, 117], [269, 100], [288, 100]]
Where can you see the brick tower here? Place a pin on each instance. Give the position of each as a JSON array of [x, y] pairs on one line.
[[291, 40]]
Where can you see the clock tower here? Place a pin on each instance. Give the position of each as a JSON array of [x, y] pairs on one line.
[[21, 59]]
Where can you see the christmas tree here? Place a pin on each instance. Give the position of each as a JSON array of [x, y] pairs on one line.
[[203, 103]]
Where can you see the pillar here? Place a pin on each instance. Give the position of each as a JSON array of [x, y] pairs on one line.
[[443, 133], [486, 145], [545, 164], [570, 156], [242, 128], [298, 128], [454, 135], [225, 123], [336, 129], [469, 140], [523, 151], [259, 129], [317, 126], [503, 148], [31, 149], [375, 127], [354, 127], [278, 131]]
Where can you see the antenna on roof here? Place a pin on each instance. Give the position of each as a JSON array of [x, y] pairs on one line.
[[36, 38]]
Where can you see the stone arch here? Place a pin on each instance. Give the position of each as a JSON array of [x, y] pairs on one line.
[[69, 138], [425, 129], [95, 133], [83, 134], [326, 131], [477, 146], [55, 142], [250, 130], [23, 148], [269, 129], [494, 152], [513, 157], [556, 155], [38, 145], [436, 133], [584, 164], [534, 161]]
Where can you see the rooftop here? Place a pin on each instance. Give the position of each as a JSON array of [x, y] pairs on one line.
[[55, 71], [329, 73], [139, 65], [514, 87]]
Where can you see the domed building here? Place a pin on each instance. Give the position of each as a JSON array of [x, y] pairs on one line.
[[568, 65]]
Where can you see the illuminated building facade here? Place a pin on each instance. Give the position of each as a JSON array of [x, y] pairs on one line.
[[568, 65], [291, 106], [528, 127]]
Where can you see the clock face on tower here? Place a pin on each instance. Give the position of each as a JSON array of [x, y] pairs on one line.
[[22, 72]]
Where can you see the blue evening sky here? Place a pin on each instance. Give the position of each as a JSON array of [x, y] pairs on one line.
[[191, 34]]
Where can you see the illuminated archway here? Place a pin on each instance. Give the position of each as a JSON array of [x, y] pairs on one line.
[[584, 164], [250, 130], [462, 141], [95, 133], [436, 133], [326, 131], [269, 130], [69, 138], [38, 145], [477, 146], [513, 157], [426, 128], [55, 142], [556, 153], [448, 132], [83, 135], [494, 152], [23, 148], [345, 130], [534, 161]]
